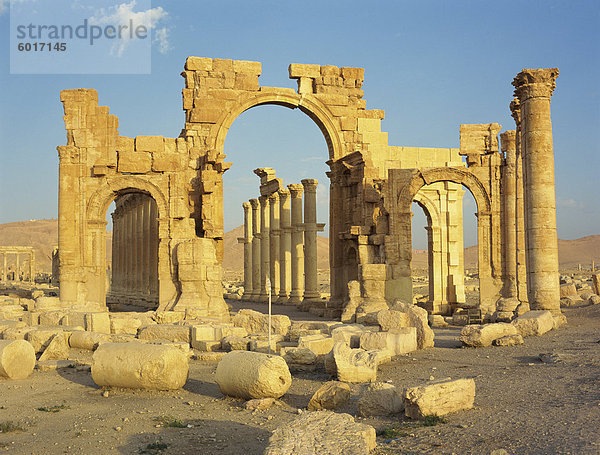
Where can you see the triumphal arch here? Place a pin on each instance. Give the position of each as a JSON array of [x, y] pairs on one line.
[[168, 222]]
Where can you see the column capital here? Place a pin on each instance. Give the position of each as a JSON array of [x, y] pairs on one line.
[[246, 206], [284, 194], [264, 201], [507, 141], [515, 111], [273, 197], [310, 185], [254, 203], [535, 83], [296, 190]]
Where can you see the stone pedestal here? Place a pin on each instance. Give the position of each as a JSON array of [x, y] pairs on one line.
[[297, 244], [534, 88]]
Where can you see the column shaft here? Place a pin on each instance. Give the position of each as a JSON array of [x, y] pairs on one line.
[[256, 249], [311, 284], [265, 249], [274, 245], [285, 246], [247, 241], [534, 89], [510, 212], [297, 239]]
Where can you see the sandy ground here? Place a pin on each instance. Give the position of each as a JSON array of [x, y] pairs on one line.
[[522, 405]]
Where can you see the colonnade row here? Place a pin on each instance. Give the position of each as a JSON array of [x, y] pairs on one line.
[[134, 278], [18, 272], [280, 247]]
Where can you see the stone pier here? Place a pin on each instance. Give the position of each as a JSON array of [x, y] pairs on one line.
[[534, 89]]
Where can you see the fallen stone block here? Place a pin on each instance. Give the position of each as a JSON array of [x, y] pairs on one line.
[[350, 334], [330, 395], [323, 433], [594, 300], [355, 365], [16, 333], [40, 337], [319, 344], [534, 323], [301, 356], [483, 335], [596, 283], [44, 303], [256, 323], [98, 322], [388, 319], [439, 398], [139, 366], [51, 317], [246, 374], [165, 332], [87, 340], [567, 290], [17, 359], [418, 318], [437, 320], [380, 399], [507, 304], [124, 326], [235, 343], [397, 341], [57, 349], [52, 365], [169, 317], [509, 340]]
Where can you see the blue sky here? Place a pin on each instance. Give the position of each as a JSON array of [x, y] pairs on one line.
[[431, 65]]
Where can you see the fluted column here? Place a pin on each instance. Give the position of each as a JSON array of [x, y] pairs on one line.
[[510, 206], [274, 244], [247, 241], [520, 207], [139, 240], [256, 261], [285, 246], [129, 249], [297, 244], [534, 88], [265, 247]]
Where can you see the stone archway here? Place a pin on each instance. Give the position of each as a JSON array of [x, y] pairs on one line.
[[408, 182]]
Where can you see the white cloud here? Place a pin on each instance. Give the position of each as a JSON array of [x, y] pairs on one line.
[[323, 194], [123, 14], [5, 3]]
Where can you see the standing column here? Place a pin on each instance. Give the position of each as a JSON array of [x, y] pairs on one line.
[[4, 271], [121, 253], [114, 285], [255, 249], [32, 266], [297, 244], [247, 241], [285, 246], [154, 243], [139, 241], [265, 260], [129, 249], [520, 207], [311, 283], [534, 88], [510, 210], [18, 272], [146, 240], [274, 244]]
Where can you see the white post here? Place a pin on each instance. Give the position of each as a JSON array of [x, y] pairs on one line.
[[269, 294]]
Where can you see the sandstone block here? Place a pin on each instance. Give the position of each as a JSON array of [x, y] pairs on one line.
[[139, 366], [259, 404], [97, 322], [349, 334], [40, 338], [437, 320], [380, 399], [418, 318], [17, 359], [44, 303], [169, 317], [87, 340], [154, 144], [596, 283], [246, 374], [297, 70], [53, 365], [243, 66], [124, 326], [355, 365], [483, 335], [234, 343], [165, 332], [397, 341], [505, 304], [134, 162], [57, 349], [594, 300], [534, 323], [16, 333], [198, 64], [330, 395], [567, 290], [319, 344], [301, 356], [323, 433], [51, 317], [207, 346], [510, 340], [439, 398], [255, 322]]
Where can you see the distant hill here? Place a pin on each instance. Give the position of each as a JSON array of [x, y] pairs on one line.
[[43, 236]]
